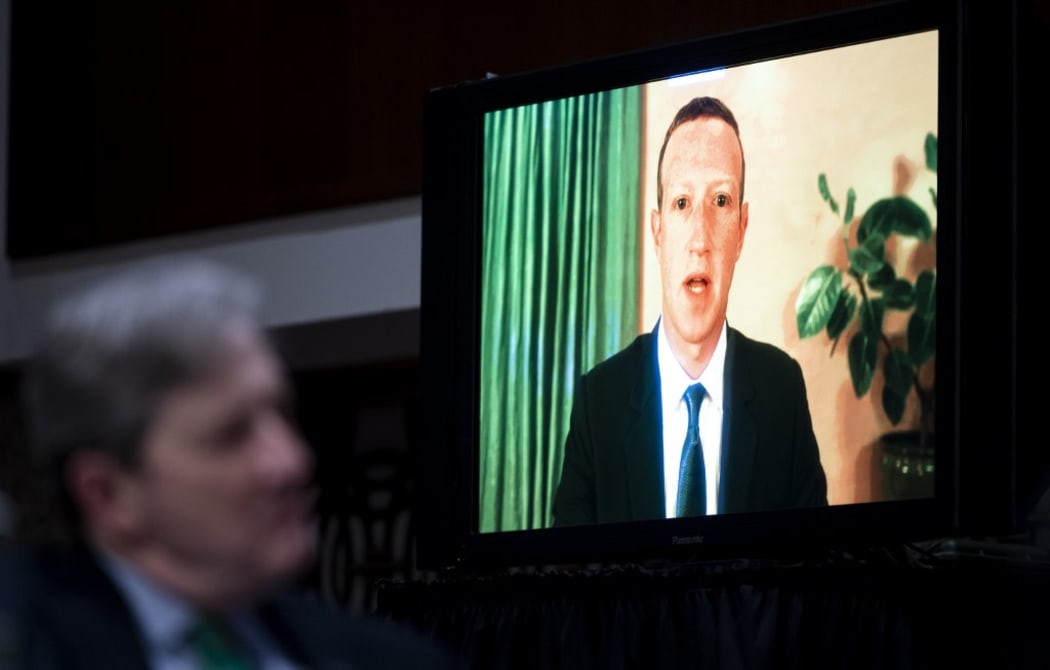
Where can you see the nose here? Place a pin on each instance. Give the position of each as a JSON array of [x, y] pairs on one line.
[[284, 458], [699, 232]]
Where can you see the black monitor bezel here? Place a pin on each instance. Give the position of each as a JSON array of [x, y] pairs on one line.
[[450, 309]]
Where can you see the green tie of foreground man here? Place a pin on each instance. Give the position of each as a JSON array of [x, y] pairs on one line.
[[219, 647]]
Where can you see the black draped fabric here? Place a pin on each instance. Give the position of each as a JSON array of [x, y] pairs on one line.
[[733, 616]]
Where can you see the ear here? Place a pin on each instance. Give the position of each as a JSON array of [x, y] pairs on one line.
[[743, 230], [104, 491], [654, 227]]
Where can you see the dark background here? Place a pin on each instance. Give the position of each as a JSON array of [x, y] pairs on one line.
[[133, 120]]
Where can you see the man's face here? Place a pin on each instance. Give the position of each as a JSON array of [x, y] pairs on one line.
[[222, 485], [698, 232]]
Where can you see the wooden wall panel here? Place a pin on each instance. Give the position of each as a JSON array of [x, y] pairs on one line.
[[134, 120]]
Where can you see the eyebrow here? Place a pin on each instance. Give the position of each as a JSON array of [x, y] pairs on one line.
[[674, 186]]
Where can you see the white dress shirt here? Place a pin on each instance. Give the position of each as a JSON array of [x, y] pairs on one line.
[[674, 380]]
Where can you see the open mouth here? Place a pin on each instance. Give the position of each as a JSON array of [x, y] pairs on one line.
[[696, 283]]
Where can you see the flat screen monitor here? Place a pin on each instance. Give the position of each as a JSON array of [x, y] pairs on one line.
[[778, 213]]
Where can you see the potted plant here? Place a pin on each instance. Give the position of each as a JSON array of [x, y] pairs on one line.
[[863, 291]]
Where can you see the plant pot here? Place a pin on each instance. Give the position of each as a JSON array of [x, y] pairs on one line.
[[907, 467]]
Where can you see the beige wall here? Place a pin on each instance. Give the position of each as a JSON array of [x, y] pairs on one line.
[[853, 114]]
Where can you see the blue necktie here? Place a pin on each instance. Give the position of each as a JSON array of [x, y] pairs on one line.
[[692, 480]]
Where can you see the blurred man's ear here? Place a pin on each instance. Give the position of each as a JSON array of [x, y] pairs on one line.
[[104, 491]]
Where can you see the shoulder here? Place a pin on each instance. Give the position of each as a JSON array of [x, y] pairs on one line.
[[67, 569], [629, 360], [758, 355], [70, 614]]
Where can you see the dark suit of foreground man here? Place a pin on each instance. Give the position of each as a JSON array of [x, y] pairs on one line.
[[628, 416], [161, 408]]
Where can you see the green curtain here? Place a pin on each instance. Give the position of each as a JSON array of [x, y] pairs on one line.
[[560, 265]]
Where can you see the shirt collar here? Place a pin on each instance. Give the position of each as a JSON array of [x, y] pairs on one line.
[[163, 617], [674, 380]]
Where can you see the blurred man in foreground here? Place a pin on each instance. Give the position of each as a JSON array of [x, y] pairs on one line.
[[161, 408]]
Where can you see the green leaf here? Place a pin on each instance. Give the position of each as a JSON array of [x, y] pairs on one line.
[[933, 196], [931, 151], [926, 293], [863, 356], [882, 278], [894, 404], [817, 299], [874, 223], [899, 376], [871, 312], [851, 201], [845, 308], [865, 259], [822, 185], [899, 295], [825, 192], [899, 371], [922, 337], [898, 214], [922, 326]]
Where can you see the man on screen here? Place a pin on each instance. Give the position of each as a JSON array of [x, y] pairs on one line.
[[633, 451]]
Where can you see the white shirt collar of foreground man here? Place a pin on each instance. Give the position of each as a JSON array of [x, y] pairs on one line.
[[165, 621]]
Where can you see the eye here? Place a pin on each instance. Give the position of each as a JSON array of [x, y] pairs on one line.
[[286, 408], [681, 203], [722, 200], [234, 432]]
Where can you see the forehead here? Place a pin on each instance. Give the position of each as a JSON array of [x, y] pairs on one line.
[[247, 357], [709, 144], [243, 366]]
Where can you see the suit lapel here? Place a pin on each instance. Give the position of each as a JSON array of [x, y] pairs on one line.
[[739, 434], [291, 634], [77, 609], [311, 635], [643, 443]]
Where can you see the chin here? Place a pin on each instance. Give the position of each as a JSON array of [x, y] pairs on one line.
[[290, 554], [695, 329]]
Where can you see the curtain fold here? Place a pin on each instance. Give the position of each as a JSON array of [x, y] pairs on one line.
[[793, 616], [560, 266]]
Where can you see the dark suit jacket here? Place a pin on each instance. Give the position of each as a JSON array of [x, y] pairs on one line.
[[613, 467], [73, 617]]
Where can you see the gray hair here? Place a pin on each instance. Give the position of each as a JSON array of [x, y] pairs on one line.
[[110, 352]]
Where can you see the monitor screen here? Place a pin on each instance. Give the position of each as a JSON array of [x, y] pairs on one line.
[[573, 241]]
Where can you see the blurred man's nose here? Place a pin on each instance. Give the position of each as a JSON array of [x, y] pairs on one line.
[[284, 455]]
